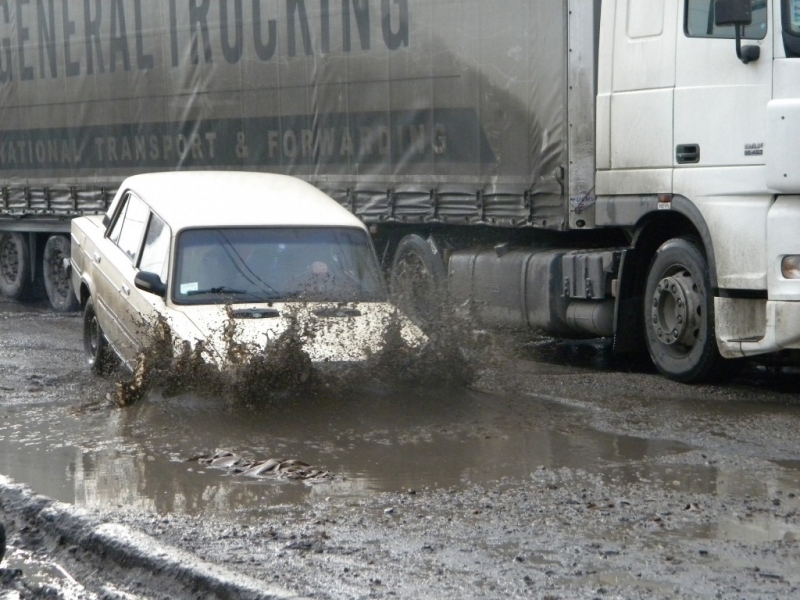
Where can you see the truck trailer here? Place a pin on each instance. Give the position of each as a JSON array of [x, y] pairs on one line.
[[583, 168]]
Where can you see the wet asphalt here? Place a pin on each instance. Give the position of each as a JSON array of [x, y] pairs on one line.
[[555, 473]]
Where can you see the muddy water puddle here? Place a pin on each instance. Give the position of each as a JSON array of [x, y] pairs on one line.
[[373, 439]]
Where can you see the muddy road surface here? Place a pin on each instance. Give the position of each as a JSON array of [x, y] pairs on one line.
[[552, 475]]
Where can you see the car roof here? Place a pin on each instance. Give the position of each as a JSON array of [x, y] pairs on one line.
[[189, 199]]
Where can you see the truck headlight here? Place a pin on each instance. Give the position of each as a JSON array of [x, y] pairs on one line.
[[790, 267]]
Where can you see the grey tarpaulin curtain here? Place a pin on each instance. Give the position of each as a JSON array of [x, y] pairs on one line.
[[416, 109]]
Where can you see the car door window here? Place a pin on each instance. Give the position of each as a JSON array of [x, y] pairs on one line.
[[700, 21], [116, 229], [131, 223], [155, 253]]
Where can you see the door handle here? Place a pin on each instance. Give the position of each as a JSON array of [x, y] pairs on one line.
[[687, 153], [124, 289], [96, 257]]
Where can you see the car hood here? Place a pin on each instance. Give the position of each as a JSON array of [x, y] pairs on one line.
[[331, 331]]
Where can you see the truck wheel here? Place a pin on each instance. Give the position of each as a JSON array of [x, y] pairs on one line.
[[98, 353], [417, 280], [57, 281], [15, 262], [679, 314]]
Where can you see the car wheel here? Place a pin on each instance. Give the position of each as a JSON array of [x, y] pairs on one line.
[[15, 261], [98, 353], [57, 281], [417, 280], [679, 314]]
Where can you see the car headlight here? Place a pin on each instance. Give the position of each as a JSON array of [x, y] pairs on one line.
[[790, 266]]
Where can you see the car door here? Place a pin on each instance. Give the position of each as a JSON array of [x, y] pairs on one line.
[[114, 281], [143, 309], [105, 284]]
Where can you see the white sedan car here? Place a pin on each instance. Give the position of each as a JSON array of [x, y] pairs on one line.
[[222, 254]]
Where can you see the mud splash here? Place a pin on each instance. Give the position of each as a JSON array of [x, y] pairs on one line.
[[176, 367], [452, 355], [253, 375]]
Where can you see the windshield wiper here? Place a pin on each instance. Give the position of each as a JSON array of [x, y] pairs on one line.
[[222, 289]]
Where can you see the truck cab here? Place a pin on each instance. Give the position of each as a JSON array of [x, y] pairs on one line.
[[697, 122]]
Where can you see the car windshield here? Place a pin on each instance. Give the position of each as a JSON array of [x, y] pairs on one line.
[[245, 265]]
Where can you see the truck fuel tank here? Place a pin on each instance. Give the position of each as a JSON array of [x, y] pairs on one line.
[[559, 291]]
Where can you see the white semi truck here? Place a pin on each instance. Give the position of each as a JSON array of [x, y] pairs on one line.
[[603, 168]]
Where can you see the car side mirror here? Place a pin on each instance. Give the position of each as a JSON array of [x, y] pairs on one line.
[[737, 13], [150, 283]]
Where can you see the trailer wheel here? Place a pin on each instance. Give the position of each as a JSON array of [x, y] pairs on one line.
[[417, 280], [57, 281], [15, 264], [679, 314], [98, 353]]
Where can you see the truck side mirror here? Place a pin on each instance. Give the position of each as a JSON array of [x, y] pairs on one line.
[[737, 13], [151, 283]]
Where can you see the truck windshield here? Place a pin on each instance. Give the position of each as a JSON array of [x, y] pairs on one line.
[[791, 27], [246, 265]]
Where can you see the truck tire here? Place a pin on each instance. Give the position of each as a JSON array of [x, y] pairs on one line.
[[417, 280], [98, 353], [57, 281], [15, 264], [679, 314]]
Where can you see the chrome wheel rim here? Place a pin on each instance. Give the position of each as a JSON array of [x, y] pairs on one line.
[[677, 311]]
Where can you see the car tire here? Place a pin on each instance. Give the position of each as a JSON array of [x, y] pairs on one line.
[[417, 280], [679, 314], [99, 355], [57, 280], [15, 264]]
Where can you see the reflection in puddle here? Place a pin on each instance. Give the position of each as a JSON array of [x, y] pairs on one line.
[[372, 439], [757, 529], [750, 525], [692, 479]]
